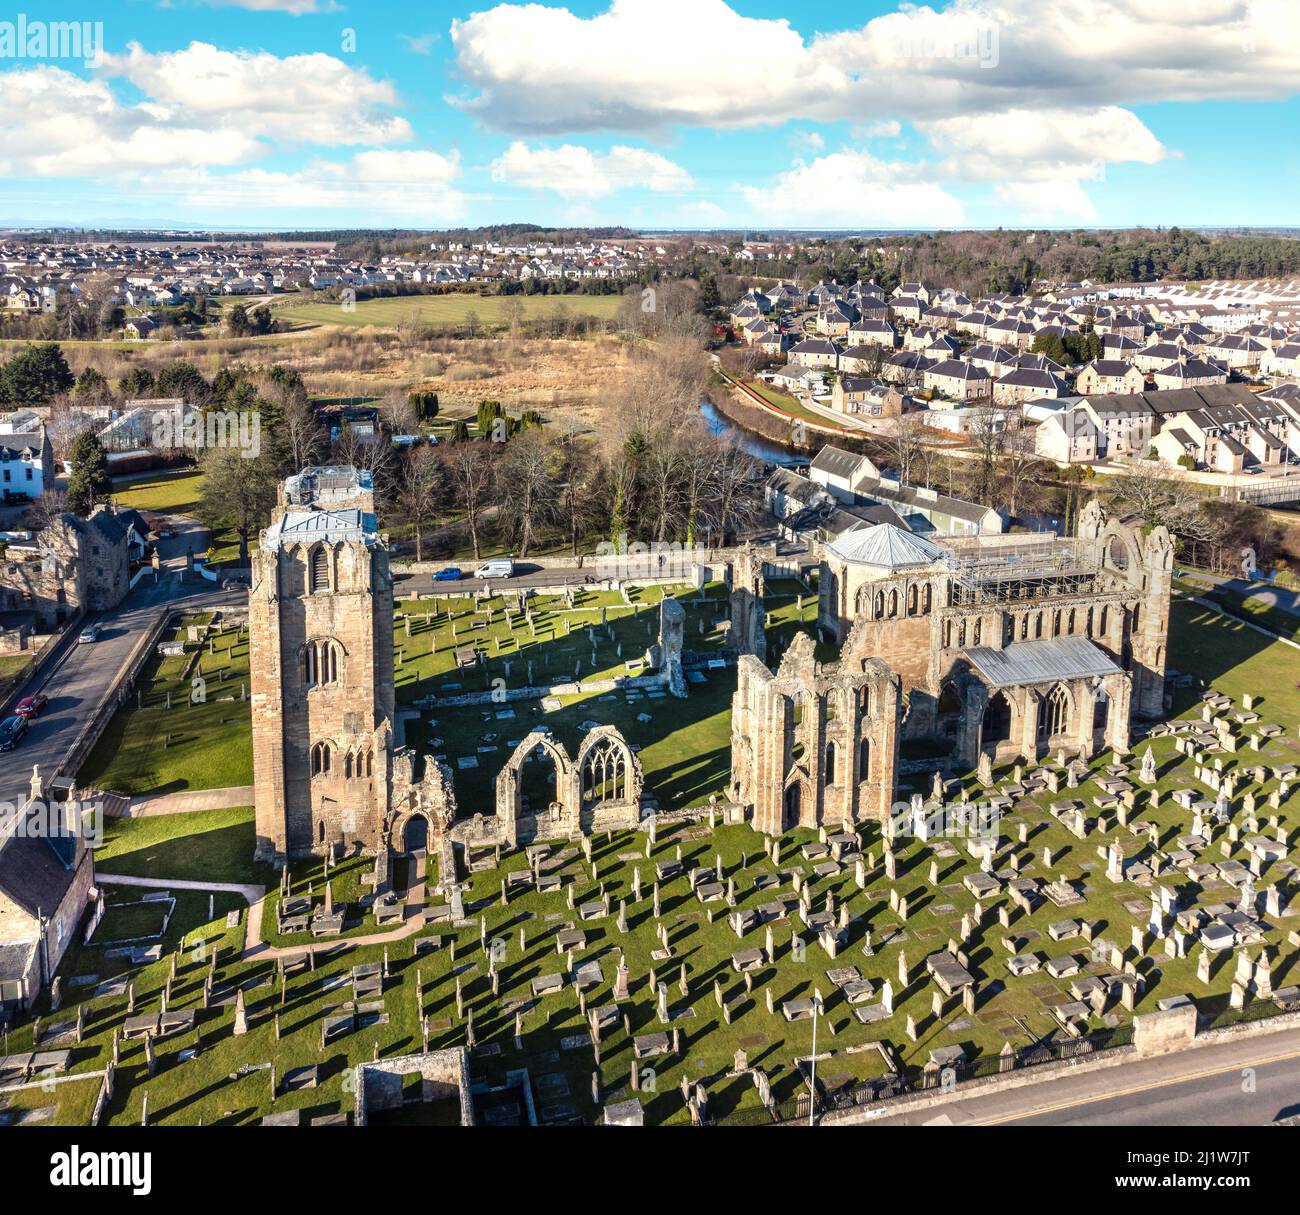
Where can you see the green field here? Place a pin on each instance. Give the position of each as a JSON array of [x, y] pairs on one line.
[[450, 310], [188, 727], [174, 491]]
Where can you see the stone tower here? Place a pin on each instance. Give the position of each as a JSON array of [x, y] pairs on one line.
[[321, 659]]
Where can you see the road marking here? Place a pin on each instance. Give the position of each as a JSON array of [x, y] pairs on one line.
[[1138, 1088]]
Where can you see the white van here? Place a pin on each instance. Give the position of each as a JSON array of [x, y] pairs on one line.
[[501, 567]]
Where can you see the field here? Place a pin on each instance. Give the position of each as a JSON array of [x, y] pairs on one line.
[[230, 1080], [189, 727], [493, 311]]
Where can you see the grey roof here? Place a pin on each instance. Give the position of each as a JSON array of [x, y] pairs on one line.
[[836, 462], [888, 547], [1046, 661], [327, 526]]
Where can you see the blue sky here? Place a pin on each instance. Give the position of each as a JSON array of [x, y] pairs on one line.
[[654, 113]]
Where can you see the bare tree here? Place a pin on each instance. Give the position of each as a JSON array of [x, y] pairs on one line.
[[527, 485], [471, 465], [422, 483]]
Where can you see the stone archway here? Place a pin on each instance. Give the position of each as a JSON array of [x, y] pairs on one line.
[[509, 783], [415, 833], [607, 775]]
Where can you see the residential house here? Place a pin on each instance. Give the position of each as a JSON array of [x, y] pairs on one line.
[[1109, 376]]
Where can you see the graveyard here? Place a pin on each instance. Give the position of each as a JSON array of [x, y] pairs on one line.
[[680, 965]]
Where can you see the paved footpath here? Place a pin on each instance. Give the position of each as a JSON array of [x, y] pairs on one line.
[[255, 897], [190, 800]]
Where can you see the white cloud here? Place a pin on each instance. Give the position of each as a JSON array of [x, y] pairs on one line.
[[576, 172], [60, 125], [646, 65], [853, 189], [1047, 202], [415, 187], [298, 99]]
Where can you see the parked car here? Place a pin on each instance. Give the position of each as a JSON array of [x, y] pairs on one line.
[[90, 634], [31, 706], [450, 573], [12, 730], [501, 567]]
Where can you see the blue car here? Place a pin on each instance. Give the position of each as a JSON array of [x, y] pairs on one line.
[[450, 574], [11, 731]]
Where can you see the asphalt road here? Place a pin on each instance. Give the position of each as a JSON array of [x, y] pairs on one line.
[[1247, 1080], [405, 586], [1223, 1099], [83, 673]]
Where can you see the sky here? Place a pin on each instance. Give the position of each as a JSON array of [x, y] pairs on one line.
[[654, 114]]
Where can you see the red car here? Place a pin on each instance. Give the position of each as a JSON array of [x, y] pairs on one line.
[[31, 706]]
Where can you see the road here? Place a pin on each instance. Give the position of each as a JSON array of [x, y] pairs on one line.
[[405, 586], [82, 674], [1249, 1080]]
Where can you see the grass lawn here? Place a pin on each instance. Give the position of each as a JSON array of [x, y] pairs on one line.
[[791, 405], [175, 491], [200, 845], [228, 1080], [449, 310], [168, 739], [1256, 608]]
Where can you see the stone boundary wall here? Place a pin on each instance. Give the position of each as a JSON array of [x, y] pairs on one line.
[[1042, 1072]]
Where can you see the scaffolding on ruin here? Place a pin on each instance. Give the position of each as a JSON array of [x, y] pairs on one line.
[[1044, 567]]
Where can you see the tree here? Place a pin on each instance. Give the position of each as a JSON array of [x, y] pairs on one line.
[[35, 374], [88, 481], [527, 486], [422, 485], [238, 493], [471, 466]]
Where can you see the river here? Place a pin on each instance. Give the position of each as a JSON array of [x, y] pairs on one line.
[[753, 444]]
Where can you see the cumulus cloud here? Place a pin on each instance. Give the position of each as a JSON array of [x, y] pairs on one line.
[[853, 189], [573, 171], [646, 65], [297, 99], [60, 125]]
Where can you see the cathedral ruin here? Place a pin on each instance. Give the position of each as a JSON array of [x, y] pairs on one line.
[[1005, 646]]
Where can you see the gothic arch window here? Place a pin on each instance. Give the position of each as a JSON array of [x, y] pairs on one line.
[[320, 570], [321, 759], [979, 623], [893, 604], [880, 604], [1056, 623], [604, 772], [927, 599], [864, 759], [947, 634], [1024, 627], [829, 767], [347, 766], [912, 600], [1090, 619], [832, 705], [1054, 713], [997, 719], [321, 660], [1104, 619], [370, 763], [864, 700], [864, 601], [1069, 628], [1038, 625], [961, 635]]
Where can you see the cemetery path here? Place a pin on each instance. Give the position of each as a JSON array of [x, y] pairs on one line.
[[255, 896], [190, 800]]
